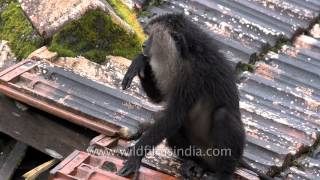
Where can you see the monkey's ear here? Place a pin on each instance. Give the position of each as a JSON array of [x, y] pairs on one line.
[[181, 43]]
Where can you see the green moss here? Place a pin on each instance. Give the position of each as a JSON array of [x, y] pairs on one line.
[[129, 16], [282, 40], [16, 28], [94, 36], [242, 67]]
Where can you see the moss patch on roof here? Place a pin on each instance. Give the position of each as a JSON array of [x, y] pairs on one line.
[[16, 28], [94, 36]]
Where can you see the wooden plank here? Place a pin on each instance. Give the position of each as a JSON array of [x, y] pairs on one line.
[[13, 160], [42, 131]]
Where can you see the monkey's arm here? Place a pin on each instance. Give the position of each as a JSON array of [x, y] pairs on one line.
[[149, 85], [140, 66], [137, 66], [166, 125]]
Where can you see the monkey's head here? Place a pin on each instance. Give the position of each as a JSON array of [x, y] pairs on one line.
[[174, 44], [165, 46], [166, 35]]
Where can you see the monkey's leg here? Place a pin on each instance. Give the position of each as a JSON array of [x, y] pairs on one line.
[[189, 168], [178, 142], [228, 135], [148, 141], [165, 126]]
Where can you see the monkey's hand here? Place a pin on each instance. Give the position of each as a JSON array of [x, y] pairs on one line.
[[137, 66], [132, 165]]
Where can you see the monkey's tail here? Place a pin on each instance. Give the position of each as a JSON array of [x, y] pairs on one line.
[[261, 175]]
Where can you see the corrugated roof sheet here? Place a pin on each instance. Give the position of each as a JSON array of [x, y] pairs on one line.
[[245, 27], [281, 105], [307, 168], [102, 105], [304, 61]]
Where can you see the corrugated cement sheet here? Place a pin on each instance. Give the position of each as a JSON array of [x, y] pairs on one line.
[[306, 59], [307, 168], [78, 99], [245, 27], [281, 105]]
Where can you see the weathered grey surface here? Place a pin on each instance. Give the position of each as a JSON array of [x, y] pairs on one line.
[[245, 27], [50, 15], [281, 105], [303, 63], [309, 169], [109, 73]]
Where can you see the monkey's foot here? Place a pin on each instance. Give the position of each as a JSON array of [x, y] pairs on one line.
[[191, 169], [131, 166]]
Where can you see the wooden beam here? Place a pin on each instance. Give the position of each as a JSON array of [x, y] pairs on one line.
[[12, 161], [49, 134]]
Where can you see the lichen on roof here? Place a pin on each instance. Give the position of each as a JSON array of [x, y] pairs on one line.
[[16, 28]]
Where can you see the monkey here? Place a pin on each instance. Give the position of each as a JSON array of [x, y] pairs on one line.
[[181, 67]]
